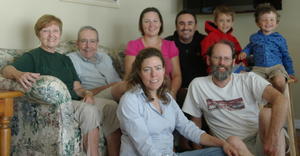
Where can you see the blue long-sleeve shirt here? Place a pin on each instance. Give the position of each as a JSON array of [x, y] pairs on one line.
[[269, 50], [147, 132]]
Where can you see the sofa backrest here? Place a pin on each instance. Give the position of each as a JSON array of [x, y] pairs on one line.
[[7, 56]]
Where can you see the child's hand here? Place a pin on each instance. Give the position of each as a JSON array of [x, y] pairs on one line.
[[293, 77], [242, 56]]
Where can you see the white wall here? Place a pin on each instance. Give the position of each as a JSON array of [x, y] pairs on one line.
[[117, 26]]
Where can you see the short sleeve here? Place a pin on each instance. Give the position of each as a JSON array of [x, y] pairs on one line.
[[258, 85], [192, 103], [170, 48], [133, 47]]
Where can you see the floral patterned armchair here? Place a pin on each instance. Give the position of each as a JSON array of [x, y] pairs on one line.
[[43, 122]]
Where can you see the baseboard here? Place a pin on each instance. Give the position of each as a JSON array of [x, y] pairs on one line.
[[297, 124]]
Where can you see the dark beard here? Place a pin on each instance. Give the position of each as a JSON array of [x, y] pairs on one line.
[[221, 76]]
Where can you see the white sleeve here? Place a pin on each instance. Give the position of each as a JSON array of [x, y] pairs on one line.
[[192, 100], [258, 85]]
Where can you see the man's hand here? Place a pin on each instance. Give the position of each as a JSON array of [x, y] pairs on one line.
[[230, 150], [88, 98], [242, 56], [271, 145], [27, 79]]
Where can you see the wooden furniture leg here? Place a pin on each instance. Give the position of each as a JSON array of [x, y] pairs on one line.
[[290, 122], [6, 113]]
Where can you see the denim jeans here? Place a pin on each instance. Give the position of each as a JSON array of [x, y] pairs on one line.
[[211, 151]]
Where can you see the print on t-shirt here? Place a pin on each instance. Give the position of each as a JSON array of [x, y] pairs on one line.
[[231, 105]]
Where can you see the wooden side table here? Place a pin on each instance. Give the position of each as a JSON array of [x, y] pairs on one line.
[[6, 113]]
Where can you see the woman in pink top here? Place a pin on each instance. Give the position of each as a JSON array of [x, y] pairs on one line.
[[151, 26]]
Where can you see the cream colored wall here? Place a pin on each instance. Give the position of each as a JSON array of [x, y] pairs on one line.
[[117, 26]]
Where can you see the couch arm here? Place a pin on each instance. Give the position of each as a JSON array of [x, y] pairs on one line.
[[47, 90], [50, 90], [8, 84]]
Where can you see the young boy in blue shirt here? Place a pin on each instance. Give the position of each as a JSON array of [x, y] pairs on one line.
[[269, 49]]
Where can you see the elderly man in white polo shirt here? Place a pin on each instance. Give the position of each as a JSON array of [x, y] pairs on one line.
[[97, 74]]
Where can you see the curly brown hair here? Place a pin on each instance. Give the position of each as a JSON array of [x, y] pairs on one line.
[[265, 8], [134, 80]]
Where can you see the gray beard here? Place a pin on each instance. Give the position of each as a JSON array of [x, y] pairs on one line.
[[220, 76]]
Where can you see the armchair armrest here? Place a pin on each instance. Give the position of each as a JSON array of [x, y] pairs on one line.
[[46, 90], [49, 90]]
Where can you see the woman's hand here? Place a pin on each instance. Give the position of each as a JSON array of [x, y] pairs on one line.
[[27, 79], [229, 150]]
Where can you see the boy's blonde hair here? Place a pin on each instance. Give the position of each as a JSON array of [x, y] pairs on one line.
[[263, 9], [223, 9]]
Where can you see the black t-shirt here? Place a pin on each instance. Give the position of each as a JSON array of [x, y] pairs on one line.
[[45, 63], [192, 63]]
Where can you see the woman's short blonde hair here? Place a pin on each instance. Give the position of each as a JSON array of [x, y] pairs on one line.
[[47, 20]]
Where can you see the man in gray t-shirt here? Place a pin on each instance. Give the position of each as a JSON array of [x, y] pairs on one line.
[[97, 74], [229, 103]]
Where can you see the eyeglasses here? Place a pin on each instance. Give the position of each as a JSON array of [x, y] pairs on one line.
[[92, 41], [219, 58]]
